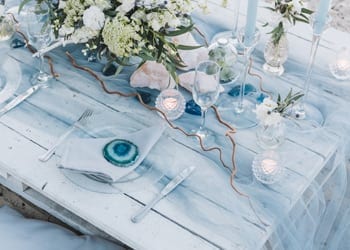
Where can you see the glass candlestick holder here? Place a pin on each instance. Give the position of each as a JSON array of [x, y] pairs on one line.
[[306, 111], [231, 35]]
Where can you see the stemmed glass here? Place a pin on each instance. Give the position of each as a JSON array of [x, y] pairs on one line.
[[243, 115], [39, 33], [305, 111], [205, 93]]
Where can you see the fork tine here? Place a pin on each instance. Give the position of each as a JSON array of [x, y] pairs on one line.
[[87, 113]]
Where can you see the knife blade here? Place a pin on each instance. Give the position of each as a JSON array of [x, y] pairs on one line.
[[165, 191], [21, 97]]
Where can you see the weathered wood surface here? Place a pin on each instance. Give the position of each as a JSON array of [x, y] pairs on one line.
[[204, 212]]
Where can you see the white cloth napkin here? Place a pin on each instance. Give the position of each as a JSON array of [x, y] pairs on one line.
[[85, 155]]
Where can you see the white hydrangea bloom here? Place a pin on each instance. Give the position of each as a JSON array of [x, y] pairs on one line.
[[61, 4], [121, 37], [94, 18], [84, 34], [103, 4]]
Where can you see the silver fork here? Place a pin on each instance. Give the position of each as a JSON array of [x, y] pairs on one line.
[[81, 121]]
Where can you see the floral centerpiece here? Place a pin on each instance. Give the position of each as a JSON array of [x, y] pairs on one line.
[[285, 13], [270, 115], [121, 29]]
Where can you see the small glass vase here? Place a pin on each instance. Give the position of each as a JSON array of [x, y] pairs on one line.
[[275, 56], [270, 136]]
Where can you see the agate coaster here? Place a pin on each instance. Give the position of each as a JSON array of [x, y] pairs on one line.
[[121, 153]]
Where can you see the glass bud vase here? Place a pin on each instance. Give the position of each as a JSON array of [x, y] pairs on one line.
[[270, 136], [275, 56]]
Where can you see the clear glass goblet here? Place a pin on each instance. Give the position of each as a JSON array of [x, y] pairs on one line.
[[37, 18], [205, 93]]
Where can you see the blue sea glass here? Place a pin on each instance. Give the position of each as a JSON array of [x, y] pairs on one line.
[[17, 43], [192, 108], [249, 88]]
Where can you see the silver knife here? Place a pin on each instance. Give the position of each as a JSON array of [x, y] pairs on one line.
[[166, 190], [21, 97]]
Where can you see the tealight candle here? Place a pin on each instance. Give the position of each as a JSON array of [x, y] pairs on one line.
[[171, 102], [340, 67]]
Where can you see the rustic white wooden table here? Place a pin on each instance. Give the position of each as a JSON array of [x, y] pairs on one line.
[[204, 212]]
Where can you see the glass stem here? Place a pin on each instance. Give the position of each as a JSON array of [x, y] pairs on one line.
[[41, 64], [236, 15], [240, 108], [315, 42], [202, 126]]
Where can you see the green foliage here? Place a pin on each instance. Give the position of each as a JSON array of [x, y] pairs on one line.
[[288, 12], [290, 99]]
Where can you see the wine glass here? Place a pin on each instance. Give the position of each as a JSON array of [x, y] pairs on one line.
[[205, 93], [38, 26]]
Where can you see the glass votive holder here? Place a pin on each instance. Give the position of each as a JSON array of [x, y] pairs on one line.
[[171, 102], [340, 67], [267, 167]]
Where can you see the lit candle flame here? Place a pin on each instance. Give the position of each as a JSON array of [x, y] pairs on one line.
[[170, 103], [268, 166]]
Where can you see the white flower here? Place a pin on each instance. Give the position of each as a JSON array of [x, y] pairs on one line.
[[272, 119], [93, 18], [126, 6], [83, 34], [297, 6], [265, 112], [61, 4]]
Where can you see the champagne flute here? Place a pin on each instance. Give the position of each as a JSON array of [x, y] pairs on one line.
[[205, 93], [39, 33]]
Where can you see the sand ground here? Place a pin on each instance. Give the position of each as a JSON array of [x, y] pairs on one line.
[[340, 20]]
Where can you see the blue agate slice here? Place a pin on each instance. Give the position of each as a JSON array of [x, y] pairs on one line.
[[121, 153]]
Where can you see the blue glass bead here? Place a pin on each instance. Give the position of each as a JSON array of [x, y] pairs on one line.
[[192, 108]]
